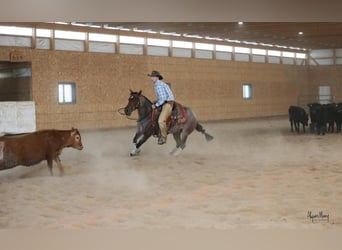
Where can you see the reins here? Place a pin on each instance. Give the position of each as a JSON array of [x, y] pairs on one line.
[[121, 112]]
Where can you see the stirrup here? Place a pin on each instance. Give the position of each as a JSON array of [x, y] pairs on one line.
[[161, 141]]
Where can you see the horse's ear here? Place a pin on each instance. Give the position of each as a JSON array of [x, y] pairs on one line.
[[131, 91], [140, 92]]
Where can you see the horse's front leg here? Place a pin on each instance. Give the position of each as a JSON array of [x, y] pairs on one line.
[[142, 139], [135, 150], [136, 137]]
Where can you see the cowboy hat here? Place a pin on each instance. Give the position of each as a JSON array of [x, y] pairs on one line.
[[155, 73]]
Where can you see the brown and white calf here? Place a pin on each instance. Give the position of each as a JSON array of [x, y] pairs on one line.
[[31, 148]]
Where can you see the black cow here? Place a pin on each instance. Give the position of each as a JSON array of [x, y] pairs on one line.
[[298, 115], [322, 115], [338, 118], [318, 124], [329, 116]]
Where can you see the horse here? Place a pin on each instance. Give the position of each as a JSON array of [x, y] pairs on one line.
[[147, 124]]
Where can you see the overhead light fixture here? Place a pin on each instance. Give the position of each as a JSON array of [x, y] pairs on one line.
[[240, 23], [151, 31], [232, 40], [138, 30], [65, 23], [251, 43], [192, 36], [213, 38], [300, 33], [78, 24], [266, 44], [122, 28], [94, 26], [169, 33], [106, 26]]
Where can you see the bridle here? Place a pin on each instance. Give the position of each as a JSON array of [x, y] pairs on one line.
[[137, 106]]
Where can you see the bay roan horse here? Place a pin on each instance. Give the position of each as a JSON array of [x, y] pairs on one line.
[[147, 124]]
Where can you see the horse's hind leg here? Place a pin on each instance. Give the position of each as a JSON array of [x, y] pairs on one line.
[[183, 136], [177, 138]]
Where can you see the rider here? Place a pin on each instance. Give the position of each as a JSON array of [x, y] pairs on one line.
[[165, 99]]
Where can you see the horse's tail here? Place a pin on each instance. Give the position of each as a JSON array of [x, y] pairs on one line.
[[199, 128]]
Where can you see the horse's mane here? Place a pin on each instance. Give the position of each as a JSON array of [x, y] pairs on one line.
[[140, 94]]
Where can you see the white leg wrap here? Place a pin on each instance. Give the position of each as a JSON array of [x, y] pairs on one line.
[[135, 151], [176, 151]]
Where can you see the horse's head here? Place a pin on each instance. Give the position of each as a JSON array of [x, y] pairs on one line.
[[133, 102]]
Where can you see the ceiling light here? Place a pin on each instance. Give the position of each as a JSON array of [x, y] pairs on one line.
[[300, 33], [78, 24], [169, 33], [94, 26], [61, 23], [192, 36], [138, 30], [240, 23]]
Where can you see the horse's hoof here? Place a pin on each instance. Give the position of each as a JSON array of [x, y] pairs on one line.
[[135, 152], [172, 151], [176, 151]]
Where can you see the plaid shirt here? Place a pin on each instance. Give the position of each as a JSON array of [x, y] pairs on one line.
[[163, 93]]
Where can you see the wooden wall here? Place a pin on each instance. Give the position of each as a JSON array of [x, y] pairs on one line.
[[212, 88], [330, 75]]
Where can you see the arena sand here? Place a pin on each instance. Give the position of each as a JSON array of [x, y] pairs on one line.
[[254, 174]]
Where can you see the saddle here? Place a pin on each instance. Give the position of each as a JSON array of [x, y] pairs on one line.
[[178, 116]]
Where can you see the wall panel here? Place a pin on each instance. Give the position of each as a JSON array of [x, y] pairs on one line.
[[212, 88]]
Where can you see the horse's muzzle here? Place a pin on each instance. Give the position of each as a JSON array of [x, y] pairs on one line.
[[128, 111]]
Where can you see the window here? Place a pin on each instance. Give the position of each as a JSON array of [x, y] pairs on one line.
[[204, 46], [12, 30], [102, 37], [288, 54], [74, 35], [224, 48], [182, 44], [242, 50], [158, 42], [43, 33], [259, 52], [247, 91], [274, 53], [132, 40], [300, 55], [66, 93]]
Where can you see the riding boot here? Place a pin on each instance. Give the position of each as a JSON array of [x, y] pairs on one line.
[[161, 140]]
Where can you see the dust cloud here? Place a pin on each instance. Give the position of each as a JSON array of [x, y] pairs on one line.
[[254, 174]]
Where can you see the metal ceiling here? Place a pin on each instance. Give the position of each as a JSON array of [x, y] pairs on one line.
[[308, 35]]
